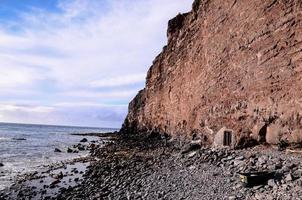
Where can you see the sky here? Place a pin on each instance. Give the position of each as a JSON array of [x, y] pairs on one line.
[[78, 62]]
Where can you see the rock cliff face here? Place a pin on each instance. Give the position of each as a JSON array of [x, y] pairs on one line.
[[228, 63]]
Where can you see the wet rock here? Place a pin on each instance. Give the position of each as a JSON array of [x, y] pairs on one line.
[[81, 148], [55, 182], [58, 150], [19, 139], [69, 150], [84, 140], [58, 176]]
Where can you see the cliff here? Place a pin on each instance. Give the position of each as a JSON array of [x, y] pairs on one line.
[[228, 63]]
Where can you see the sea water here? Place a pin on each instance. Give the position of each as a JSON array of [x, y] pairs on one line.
[[25, 148]]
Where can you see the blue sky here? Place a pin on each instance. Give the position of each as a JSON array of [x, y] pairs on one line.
[[78, 62]]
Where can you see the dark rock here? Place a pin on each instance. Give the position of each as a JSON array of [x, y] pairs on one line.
[[69, 150], [19, 139], [58, 176], [84, 140], [81, 148], [191, 147], [58, 150], [55, 182], [1, 165]]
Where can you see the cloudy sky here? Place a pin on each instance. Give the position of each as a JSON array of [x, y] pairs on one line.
[[78, 62]]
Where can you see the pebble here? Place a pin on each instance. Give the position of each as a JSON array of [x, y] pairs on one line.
[[58, 150], [289, 177]]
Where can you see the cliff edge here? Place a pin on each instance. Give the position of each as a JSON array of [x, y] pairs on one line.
[[228, 65]]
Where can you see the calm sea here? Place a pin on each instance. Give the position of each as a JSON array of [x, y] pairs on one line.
[[25, 148]]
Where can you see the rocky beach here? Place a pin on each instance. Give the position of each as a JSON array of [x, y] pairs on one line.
[[218, 118], [152, 167]]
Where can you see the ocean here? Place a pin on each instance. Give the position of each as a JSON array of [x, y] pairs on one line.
[[25, 148]]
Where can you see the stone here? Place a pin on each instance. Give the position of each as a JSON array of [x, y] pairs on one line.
[[232, 198], [191, 147], [289, 177], [81, 148], [271, 183], [258, 187], [192, 154], [84, 140], [58, 176], [239, 158], [1, 165], [58, 150], [69, 150]]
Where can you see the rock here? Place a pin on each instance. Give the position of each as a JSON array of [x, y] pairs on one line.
[[232, 197], [271, 183], [171, 76], [192, 154], [258, 187], [289, 177], [19, 139], [1, 165], [58, 176], [84, 140], [58, 150], [262, 160], [69, 150], [81, 148], [191, 147], [239, 158], [55, 182]]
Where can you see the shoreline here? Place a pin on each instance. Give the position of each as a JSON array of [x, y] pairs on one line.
[[79, 154], [141, 167]]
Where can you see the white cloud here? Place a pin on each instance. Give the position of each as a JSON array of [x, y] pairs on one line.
[[30, 109], [111, 94], [88, 44], [120, 80]]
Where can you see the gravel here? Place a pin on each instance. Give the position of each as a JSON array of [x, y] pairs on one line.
[[144, 168]]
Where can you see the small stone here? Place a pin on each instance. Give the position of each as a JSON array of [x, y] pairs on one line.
[[84, 140], [258, 187], [81, 148], [192, 154], [271, 183], [240, 158], [69, 150], [1, 165], [232, 197], [289, 177], [55, 182], [238, 162], [58, 150]]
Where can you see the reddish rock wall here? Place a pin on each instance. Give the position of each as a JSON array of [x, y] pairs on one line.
[[228, 63]]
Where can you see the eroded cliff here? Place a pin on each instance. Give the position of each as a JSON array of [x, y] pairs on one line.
[[228, 63]]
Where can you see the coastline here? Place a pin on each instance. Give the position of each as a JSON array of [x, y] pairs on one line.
[[149, 167], [46, 180]]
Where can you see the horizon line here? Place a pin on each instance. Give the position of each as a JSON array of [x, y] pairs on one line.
[[61, 125]]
